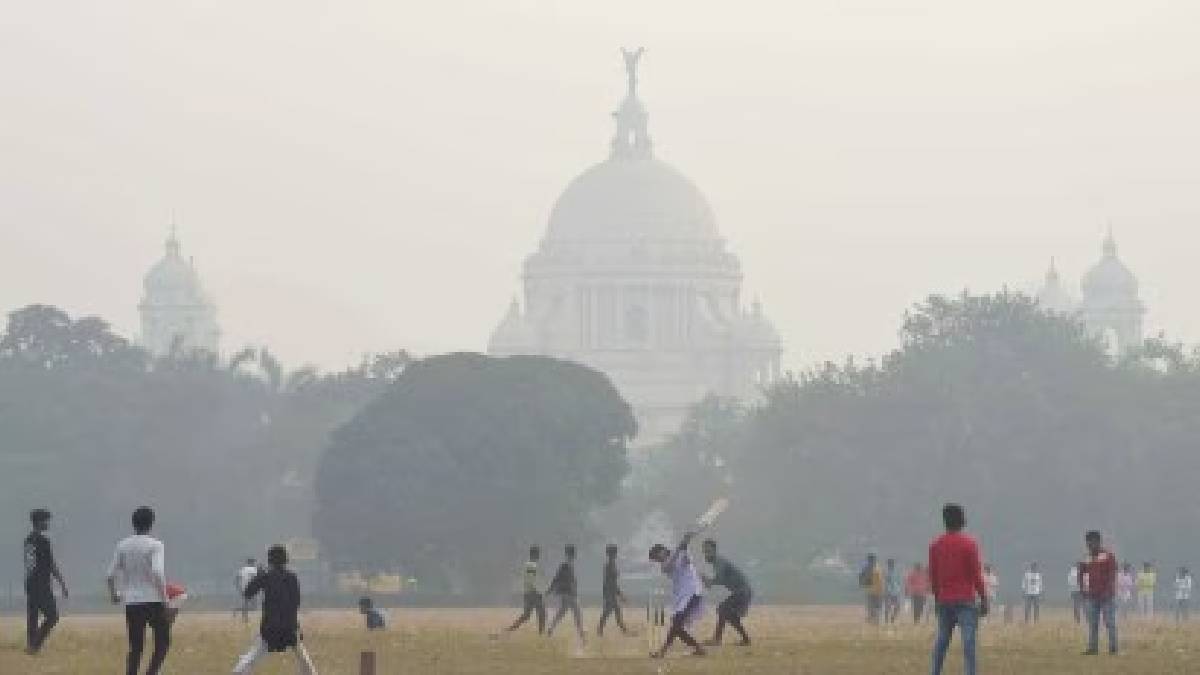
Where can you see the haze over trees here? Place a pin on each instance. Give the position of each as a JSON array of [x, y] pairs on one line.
[[1018, 413], [465, 462], [93, 426], [446, 468]]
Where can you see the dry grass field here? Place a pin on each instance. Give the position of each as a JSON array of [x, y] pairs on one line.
[[789, 640]]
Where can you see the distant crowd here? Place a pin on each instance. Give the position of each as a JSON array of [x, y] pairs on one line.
[[888, 591]]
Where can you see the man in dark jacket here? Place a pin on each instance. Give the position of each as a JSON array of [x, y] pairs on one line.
[[280, 627]]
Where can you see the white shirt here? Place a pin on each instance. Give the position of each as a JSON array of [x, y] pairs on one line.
[[245, 576], [685, 580], [139, 568], [1073, 579], [1183, 587], [993, 585], [1032, 583]]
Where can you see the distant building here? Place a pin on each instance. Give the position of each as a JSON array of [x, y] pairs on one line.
[[632, 278], [1110, 305], [175, 311]]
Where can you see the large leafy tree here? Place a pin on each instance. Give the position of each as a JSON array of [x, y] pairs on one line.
[[466, 460], [989, 400]]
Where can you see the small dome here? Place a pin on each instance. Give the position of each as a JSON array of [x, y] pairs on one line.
[[1110, 277], [1053, 295], [631, 199], [173, 279]]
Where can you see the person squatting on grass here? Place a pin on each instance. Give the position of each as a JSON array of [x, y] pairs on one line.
[[279, 630]]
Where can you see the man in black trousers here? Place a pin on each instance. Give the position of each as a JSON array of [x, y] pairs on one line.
[[40, 568]]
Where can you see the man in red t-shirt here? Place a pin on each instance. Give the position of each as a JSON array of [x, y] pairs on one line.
[[956, 576], [1100, 569]]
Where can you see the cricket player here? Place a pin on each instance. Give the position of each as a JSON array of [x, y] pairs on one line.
[[734, 608], [687, 593]]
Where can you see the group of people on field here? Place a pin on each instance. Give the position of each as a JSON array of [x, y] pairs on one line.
[[962, 595], [886, 590], [137, 580], [685, 602]]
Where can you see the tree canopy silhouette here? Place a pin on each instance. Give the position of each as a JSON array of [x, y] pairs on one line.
[[467, 460]]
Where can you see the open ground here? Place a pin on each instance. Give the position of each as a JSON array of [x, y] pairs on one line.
[[805, 640]]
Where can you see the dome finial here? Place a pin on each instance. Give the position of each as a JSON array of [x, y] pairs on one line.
[[1110, 243], [173, 238], [1052, 273], [632, 139]]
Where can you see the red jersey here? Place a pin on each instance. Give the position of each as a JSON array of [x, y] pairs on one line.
[[1101, 571], [955, 571]]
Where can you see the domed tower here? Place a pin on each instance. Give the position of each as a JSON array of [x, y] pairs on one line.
[[1053, 295], [1111, 306], [632, 278], [176, 313]]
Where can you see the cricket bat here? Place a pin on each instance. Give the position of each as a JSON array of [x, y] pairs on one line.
[[710, 516]]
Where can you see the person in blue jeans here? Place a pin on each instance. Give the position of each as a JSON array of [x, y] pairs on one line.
[[1100, 569], [956, 577], [965, 615]]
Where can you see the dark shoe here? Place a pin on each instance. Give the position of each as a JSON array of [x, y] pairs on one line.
[[711, 643], [744, 643], [699, 651], [1090, 652]]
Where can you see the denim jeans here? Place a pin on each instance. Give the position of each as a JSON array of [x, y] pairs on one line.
[[966, 617], [1108, 608]]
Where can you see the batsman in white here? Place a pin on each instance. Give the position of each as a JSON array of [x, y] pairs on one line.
[[687, 591]]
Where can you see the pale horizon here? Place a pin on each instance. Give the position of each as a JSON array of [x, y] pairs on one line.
[[372, 177]]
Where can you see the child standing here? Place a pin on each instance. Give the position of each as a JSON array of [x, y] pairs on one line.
[[613, 597], [280, 627]]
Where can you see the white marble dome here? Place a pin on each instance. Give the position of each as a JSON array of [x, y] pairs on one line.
[[631, 199]]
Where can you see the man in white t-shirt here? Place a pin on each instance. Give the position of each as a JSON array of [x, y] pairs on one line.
[[1031, 588], [137, 577], [244, 576]]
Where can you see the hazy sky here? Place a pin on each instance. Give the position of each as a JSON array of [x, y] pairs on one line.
[[358, 176]]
